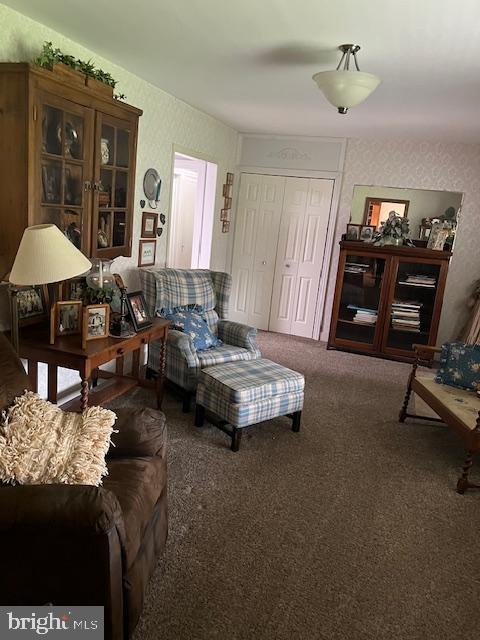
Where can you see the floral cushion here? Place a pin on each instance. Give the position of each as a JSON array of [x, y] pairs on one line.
[[190, 321], [459, 365]]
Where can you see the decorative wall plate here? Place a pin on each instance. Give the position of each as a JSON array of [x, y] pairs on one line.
[[151, 187]]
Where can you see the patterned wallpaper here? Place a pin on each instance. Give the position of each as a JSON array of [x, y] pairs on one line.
[[420, 165], [165, 121]]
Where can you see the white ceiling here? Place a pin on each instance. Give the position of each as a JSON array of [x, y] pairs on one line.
[[250, 62]]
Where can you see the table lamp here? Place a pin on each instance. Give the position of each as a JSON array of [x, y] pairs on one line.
[[44, 256]]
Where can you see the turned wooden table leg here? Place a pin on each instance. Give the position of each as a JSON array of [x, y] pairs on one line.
[[33, 374], [84, 395], [52, 383], [161, 373], [463, 483], [408, 393]]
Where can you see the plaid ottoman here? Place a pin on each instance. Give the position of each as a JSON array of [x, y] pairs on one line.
[[247, 392]]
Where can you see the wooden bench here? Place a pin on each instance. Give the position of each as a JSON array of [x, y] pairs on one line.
[[456, 408]]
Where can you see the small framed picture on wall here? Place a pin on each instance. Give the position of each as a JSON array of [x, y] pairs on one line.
[[227, 191], [224, 214], [229, 178], [147, 250], [149, 224]]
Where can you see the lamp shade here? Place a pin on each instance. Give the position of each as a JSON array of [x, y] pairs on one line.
[[45, 255], [345, 89]]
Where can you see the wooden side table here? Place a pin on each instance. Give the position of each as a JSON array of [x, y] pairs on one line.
[[67, 352]]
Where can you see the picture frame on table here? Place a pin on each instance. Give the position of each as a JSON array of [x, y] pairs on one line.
[[32, 305], [230, 178], [74, 289], [438, 236], [147, 250], [138, 310], [96, 323], [149, 224], [65, 319], [353, 231], [367, 232]]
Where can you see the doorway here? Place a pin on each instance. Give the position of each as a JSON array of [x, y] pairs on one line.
[[279, 251], [192, 212]]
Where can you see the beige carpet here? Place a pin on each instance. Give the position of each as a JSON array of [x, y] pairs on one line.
[[349, 530]]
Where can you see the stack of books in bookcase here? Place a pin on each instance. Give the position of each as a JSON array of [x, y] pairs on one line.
[[356, 267], [363, 315], [419, 281], [406, 316]]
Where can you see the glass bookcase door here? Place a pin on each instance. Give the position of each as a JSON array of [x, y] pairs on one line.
[[360, 299], [412, 305], [113, 198], [65, 132]]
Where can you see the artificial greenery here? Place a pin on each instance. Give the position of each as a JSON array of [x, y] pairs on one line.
[[98, 296], [50, 56]]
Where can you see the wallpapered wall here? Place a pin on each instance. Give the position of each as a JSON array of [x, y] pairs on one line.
[[165, 121], [420, 165]]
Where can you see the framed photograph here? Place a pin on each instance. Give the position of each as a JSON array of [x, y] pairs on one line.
[[147, 250], [75, 288], [353, 231], [229, 178], [227, 191], [65, 319], [96, 321], [138, 310], [225, 226], [149, 224], [366, 232], [32, 305], [228, 203], [224, 215], [438, 236]]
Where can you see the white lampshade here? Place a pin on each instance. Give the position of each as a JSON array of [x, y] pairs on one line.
[[345, 89], [45, 256]]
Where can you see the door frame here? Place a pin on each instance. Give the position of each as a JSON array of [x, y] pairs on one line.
[[336, 176], [198, 155]]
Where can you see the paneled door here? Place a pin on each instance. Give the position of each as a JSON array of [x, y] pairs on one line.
[[256, 235], [300, 255]]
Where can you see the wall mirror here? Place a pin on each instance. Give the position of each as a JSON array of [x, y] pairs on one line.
[[371, 205]]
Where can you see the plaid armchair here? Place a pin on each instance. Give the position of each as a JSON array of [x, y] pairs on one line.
[[166, 288]]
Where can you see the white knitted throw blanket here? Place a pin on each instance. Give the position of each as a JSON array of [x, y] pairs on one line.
[[41, 444]]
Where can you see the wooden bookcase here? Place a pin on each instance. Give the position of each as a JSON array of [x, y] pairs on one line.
[[67, 156], [387, 299]]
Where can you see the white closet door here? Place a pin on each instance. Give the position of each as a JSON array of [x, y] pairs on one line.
[[256, 234], [300, 255]]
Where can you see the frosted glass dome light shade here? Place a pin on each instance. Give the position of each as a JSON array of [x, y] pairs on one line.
[[345, 89], [45, 256]]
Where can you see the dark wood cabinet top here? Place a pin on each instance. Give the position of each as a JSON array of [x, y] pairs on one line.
[[358, 246]]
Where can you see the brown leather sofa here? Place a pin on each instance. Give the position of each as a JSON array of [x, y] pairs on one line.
[[83, 545]]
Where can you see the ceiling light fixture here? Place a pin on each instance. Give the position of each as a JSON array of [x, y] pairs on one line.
[[345, 88]]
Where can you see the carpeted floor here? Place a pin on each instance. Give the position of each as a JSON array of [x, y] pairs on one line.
[[349, 530]]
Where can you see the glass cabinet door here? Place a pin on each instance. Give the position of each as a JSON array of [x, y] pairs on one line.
[[412, 305], [113, 199], [360, 299], [65, 132]]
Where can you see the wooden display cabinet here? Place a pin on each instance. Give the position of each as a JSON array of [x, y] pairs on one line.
[[387, 299], [67, 157]]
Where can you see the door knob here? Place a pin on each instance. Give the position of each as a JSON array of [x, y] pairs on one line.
[[264, 262]]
